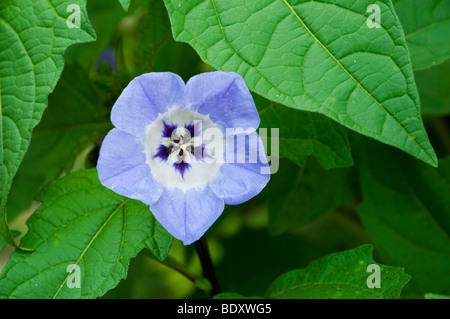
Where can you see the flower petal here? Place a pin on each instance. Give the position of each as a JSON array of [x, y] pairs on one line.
[[145, 97], [121, 167], [224, 97], [187, 215], [246, 175]]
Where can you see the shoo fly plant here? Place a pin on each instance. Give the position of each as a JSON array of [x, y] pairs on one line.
[[229, 149], [158, 154]]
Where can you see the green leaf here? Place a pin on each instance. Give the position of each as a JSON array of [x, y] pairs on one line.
[[125, 4], [34, 37], [426, 25], [154, 32], [433, 87], [81, 223], [315, 56], [406, 212], [141, 45], [302, 134], [340, 275], [73, 120], [299, 195]]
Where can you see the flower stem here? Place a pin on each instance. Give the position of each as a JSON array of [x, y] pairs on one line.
[[207, 265]]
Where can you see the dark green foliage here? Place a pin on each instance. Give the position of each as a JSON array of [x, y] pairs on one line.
[[357, 183]]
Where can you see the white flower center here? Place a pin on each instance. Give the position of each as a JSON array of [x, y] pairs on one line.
[[177, 158]]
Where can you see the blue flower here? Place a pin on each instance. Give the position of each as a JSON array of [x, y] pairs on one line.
[[185, 150], [108, 56]]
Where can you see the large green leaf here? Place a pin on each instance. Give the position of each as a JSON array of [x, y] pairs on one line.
[[34, 37], [406, 211], [426, 25], [302, 134], [316, 56], [81, 223], [299, 195], [73, 120], [340, 275]]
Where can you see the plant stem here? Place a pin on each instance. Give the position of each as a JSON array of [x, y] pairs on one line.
[[173, 264], [207, 265]]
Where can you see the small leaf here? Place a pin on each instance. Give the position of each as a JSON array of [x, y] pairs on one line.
[[317, 56], [426, 25], [299, 195], [406, 212], [35, 34], [302, 134], [81, 223], [339, 276]]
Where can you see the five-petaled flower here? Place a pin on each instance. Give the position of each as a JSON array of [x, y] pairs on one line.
[[159, 152]]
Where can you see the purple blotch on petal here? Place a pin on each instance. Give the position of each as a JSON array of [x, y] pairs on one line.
[[194, 129], [182, 167], [190, 128], [168, 129], [163, 153]]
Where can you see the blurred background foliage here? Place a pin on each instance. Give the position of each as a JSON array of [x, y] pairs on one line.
[[305, 213]]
